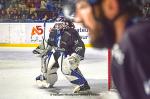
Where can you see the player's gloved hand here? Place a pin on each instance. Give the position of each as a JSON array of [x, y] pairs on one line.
[[73, 61], [40, 51], [58, 49]]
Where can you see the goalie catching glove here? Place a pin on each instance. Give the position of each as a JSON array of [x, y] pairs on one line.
[[40, 51]]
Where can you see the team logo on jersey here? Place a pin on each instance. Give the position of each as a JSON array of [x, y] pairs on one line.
[[76, 42], [118, 54], [147, 87]]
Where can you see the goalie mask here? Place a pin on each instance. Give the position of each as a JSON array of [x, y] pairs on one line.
[[63, 23], [59, 23]]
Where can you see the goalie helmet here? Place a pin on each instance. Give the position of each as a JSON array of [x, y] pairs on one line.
[[64, 23], [69, 24], [59, 23]]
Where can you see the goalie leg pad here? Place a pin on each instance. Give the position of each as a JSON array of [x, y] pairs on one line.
[[47, 61], [75, 77], [52, 76], [49, 70], [81, 80], [70, 63], [52, 70], [44, 62], [48, 79], [71, 71]]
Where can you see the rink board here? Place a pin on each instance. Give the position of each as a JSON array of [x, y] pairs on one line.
[[31, 34]]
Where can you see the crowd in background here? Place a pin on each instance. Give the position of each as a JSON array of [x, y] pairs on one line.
[[29, 10], [36, 10]]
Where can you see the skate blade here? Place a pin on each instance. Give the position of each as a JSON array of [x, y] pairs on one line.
[[82, 92], [42, 84]]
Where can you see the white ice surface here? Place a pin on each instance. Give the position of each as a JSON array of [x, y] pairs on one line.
[[19, 67]]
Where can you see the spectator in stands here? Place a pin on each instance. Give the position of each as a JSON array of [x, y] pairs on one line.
[[22, 5], [13, 3], [43, 4], [19, 14], [9, 9], [16, 19], [32, 8], [46, 17], [23, 17], [37, 4], [2, 4], [7, 3], [33, 16], [60, 12], [11, 15], [49, 5], [21, 9], [3, 14], [15, 13]]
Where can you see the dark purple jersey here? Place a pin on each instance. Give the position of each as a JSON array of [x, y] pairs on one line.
[[131, 62], [70, 41]]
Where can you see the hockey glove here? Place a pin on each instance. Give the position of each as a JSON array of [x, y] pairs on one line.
[[40, 51]]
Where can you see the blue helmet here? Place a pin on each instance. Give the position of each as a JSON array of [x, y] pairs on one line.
[[92, 2]]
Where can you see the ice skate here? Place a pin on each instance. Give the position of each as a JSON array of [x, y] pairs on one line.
[[41, 82], [82, 89]]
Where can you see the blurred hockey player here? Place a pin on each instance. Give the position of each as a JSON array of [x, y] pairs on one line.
[[65, 49], [118, 24]]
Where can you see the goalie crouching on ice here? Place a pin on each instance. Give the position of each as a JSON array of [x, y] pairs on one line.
[[64, 49]]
